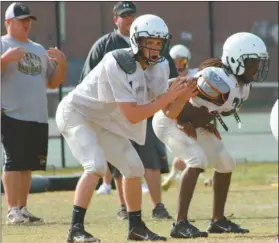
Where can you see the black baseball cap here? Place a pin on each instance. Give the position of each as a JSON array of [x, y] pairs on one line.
[[18, 11], [122, 7]]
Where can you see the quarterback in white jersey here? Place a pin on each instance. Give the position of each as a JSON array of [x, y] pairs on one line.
[[110, 107], [274, 120], [223, 85]]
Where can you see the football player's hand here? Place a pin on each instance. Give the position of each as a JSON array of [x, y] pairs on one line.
[[188, 129], [177, 88], [13, 54], [190, 89], [212, 129]]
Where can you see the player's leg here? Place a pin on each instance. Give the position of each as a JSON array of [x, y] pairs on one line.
[[151, 159], [118, 179], [178, 165], [83, 143], [105, 188], [13, 140], [36, 149], [223, 165], [120, 152], [189, 150]]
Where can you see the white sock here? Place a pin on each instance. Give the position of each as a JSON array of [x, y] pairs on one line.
[[14, 208], [108, 186], [173, 173]]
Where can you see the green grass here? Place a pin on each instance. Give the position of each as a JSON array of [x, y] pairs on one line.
[[252, 200]]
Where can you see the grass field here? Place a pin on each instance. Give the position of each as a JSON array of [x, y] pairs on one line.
[[252, 200]]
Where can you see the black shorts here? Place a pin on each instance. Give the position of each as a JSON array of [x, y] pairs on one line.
[[25, 144], [153, 153]]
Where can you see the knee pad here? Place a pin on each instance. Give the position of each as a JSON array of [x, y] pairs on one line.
[[133, 167], [133, 170], [93, 167], [226, 163], [195, 157]]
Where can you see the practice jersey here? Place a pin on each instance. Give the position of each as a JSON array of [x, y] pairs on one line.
[[224, 83], [98, 95]]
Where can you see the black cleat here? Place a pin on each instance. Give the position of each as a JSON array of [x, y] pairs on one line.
[[142, 233], [160, 212], [184, 229], [122, 213], [225, 226], [77, 234]]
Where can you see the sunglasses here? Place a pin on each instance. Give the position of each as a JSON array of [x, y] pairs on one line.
[[127, 14]]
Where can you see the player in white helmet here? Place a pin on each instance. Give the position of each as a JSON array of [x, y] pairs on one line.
[[108, 109], [223, 85], [181, 56], [274, 120]]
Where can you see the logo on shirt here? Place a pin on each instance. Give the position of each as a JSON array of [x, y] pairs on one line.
[[42, 159], [30, 64]]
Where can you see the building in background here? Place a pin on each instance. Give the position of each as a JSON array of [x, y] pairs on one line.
[[87, 21]]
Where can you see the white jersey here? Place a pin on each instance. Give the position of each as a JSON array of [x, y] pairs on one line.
[[237, 93], [98, 95]]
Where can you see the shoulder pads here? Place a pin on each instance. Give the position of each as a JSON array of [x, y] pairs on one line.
[[125, 60]]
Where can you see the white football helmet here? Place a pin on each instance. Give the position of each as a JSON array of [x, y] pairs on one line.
[[241, 46], [180, 51], [149, 26]]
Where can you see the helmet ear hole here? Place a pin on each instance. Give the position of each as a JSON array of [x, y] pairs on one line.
[[232, 60]]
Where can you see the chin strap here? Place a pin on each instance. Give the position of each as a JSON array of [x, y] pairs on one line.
[[221, 121]]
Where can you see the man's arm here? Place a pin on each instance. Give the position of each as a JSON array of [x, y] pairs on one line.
[[136, 113], [59, 74], [11, 55], [173, 110], [95, 55]]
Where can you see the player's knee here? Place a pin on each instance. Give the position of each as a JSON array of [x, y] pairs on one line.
[[96, 168], [226, 164], [133, 170], [198, 160], [179, 164]]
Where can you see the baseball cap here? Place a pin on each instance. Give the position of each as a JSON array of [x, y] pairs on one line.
[[18, 11], [122, 7]]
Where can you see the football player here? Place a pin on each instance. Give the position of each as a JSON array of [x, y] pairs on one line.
[[108, 109], [274, 120], [223, 85]]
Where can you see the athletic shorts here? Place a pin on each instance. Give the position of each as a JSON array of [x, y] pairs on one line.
[[25, 144]]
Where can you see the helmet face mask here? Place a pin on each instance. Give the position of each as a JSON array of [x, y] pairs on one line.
[[149, 27], [181, 55], [255, 68], [181, 64], [151, 55], [245, 55]]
